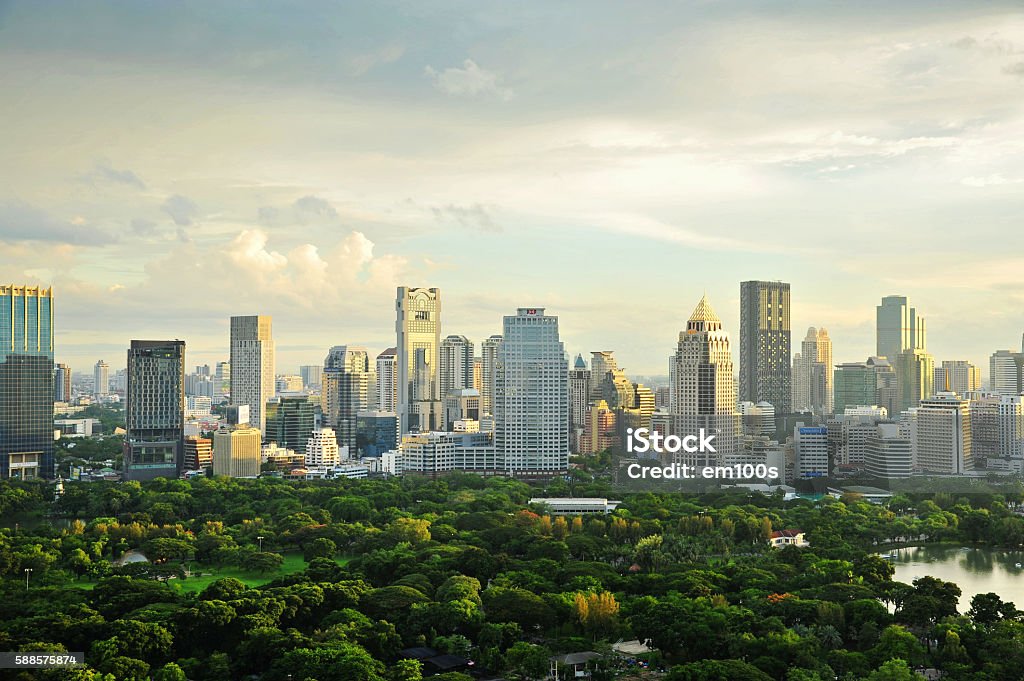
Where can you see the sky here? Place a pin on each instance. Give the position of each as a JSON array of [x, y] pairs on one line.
[[166, 165]]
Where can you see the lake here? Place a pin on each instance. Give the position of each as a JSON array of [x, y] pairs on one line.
[[974, 570]]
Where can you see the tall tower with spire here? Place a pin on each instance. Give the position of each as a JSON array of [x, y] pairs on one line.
[[579, 399], [704, 387]]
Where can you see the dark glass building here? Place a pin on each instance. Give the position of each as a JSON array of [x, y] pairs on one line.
[[766, 365], [290, 421], [155, 413], [376, 432], [26, 382]]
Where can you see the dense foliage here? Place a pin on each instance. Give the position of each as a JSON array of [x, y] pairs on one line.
[[466, 566]]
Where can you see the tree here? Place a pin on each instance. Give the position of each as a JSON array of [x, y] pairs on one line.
[[597, 612], [405, 670], [265, 562], [527, 660], [893, 670], [169, 672], [321, 547], [717, 670]]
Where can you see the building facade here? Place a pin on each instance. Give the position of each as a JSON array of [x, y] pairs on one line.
[[942, 435], [348, 386], [387, 381], [252, 365], [155, 410], [456, 364], [418, 329], [290, 421], [237, 452], [765, 345]]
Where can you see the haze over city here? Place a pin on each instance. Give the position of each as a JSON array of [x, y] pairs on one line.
[[303, 161]]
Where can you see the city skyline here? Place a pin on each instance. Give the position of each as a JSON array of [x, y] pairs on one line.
[[301, 164]]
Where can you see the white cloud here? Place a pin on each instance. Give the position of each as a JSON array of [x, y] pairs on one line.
[[470, 80], [993, 180]]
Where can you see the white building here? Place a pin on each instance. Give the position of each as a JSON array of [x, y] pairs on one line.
[[890, 453], [576, 505], [488, 360], [957, 376], [812, 374], [811, 446], [252, 365], [997, 431], [349, 385], [288, 384], [387, 381], [758, 419], [1006, 372], [418, 328], [197, 406], [531, 395], [237, 452], [703, 387], [322, 449], [456, 364], [942, 435], [101, 379]]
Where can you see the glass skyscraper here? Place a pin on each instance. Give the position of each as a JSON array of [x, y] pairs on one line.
[[26, 382], [765, 344], [290, 421], [155, 414]]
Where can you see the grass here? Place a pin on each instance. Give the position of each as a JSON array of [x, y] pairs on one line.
[[293, 562]]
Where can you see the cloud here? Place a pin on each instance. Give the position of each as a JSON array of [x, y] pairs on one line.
[[470, 80], [315, 206], [20, 221], [475, 216], [143, 227], [362, 63], [1014, 69], [181, 209], [104, 171], [994, 180], [306, 210]]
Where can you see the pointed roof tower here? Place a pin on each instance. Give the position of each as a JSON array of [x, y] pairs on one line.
[[580, 364], [703, 318]]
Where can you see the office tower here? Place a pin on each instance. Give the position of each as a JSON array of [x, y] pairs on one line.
[[101, 379], [1006, 372], [854, 384], [848, 434], [155, 412], [579, 399], [758, 419], [347, 379], [418, 328], [376, 432], [997, 431], [119, 383], [456, 364], [288, 384], [26, 382], [237, 451], [461, 405], [759, 450], [61, 383], [387, 381], [600, 429], [252, 365], [704, 390], [478, 374], [322, 449], [290, 420], [765, 371], [890, 453], [898, 327], [531, 395], [601, 363], [885, 380], [203, 369], [958, 376], [197, 406], [198, 453], [311, 376], [199, 386], [942, 435], [812, 452], [488, 360], [915, 371], [222, 378], [812, 374]]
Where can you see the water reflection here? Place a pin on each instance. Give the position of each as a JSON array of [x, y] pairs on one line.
[[975, 570]]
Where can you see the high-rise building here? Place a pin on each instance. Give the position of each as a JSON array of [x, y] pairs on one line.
[[237, 452], [958, 376], [1006, 372], [461, 405], [915, 371], [387, 381], [119, 382], [223, 378], [155, 411], [26, 382], [290, 420], [812, 451], [478, 374], [854, 384], [252, 365], [579, 399], [765, 372], [531, 395], [61, 383], [812, 374], [599, 430], [456, 364], [101, 379], [758, 419], [311, 375], [198, 453], [288, 384], [942, 435], [704, 390], [997, 431], [347, 390], [898, 328], [488, 362], [601, 363], [376, 432], [890, 453], [418, 328]]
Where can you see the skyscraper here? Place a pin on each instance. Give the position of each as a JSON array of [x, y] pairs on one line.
[[854, 384], [26, 382], [290, 420], [62, 383], [348, 381], [101, 379], [418, 328], [579, 399], [489, 358], [601, 363], [252, 365], [812, 373], [155, 412], [942, 435], [531, 395], [311, 375], [1006, 372], [915, 373], [703, 389], [387, 381], [898, 327], [237, 452], [958, 376], [765, 370], [456, 364]]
